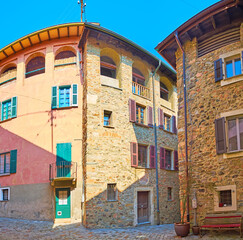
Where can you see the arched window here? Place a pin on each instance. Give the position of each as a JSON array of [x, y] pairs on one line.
[[107, 67], [9, 69], [35, 66], [164, 92], [138, 77], [8, 73], [65, 54]]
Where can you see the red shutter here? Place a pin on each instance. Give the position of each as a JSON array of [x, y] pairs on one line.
[[162, 158], [152, 156], [134, 154], [176, 167], [174, 130], [150, 115], [161, 117], [132, 110], [218, 70], [220, 135]]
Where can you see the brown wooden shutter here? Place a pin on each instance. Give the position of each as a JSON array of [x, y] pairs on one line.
[[161, 118], [150, 115], [220, 135], [176, 167], [174, 129], [162, 158], [134, 154], [152, 156], [218, 70], [132, 110]]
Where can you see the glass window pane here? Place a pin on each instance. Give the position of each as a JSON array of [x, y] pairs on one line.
[[232, 135], [62, 198], [241, 132], [2, 164], [229, 69], [237, 66], [142, 156], [168, 159], [225, 198]]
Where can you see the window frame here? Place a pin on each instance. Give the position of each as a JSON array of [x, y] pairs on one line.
[[13, 106], [171, 194], [146, 147], [115, 190], [162, 89], [171, 159], [1, 194], [35, 72], [139, 114], [108, 66], [4, 163], [166, 116], [232, 59]]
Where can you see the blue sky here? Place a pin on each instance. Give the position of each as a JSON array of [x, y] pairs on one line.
[[144, 22]]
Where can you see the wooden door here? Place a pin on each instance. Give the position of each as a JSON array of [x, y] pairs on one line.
[[143, 207]]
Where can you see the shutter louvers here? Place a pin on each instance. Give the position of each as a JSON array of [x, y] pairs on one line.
[[161, 118], [218, 70], [75, 95], [132, 110], [150, 116], [54, 97], [1, 114], [134, 154], [220, 135], [152, 156], [176, 167], [174, 130], [162, 158], [13, 161], [14, 107]]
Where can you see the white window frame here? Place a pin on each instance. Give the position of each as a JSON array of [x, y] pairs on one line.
[[168, 115], [1, 194]]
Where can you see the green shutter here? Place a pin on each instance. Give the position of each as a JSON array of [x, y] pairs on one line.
[[63, 160], [14, 107], [13, 161], [75, 94], [54, 97], [1, 114]]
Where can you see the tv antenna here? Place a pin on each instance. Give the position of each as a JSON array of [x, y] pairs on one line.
[[83, 5]]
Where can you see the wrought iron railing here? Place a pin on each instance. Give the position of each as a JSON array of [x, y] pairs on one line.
[[140, 90], [63, 169]]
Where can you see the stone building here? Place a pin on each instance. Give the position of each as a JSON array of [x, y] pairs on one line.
[[212, 42], [77, 137]]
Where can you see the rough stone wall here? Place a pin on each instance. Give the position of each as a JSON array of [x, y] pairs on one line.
[[206, 101], [108, 157]]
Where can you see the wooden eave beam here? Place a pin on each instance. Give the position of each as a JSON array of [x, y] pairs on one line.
[[48, 33], [58, 32], [38, 35], [13, 49], [199, 29], [77, 30], [68, 31], [30, 41], [188, 36], [227, 15], [213, 22], [6, 55]]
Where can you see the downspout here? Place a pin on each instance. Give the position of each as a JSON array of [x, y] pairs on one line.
[[185, 119], [155, 143]]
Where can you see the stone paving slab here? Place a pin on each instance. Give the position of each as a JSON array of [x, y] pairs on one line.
[[11, 229]]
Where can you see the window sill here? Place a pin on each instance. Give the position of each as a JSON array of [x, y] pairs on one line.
[[167, 131], [6, 120], [9, 80], [62, 108], [4, 200], [233, 154], [4, 174], [108, 127], [142, 125], [105, 85], [138, 167], [112, 200], [231, 80]]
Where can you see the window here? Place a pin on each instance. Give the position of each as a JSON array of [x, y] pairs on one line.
[[107, 118], [107, 67], [233, 67], [35, 66], [64, 96], [167, 122], [235, 134], [168, 159], [138, 77], [225, 198], [65, 58], [164, 93], [8, 109], [169, 193], [5, 194], [140, 114], [8, 74], [65, 54], [142, 156], [111, 192], [4, 163]]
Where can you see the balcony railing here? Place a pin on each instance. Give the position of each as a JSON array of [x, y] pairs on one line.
[[140, 90], [63, 170]]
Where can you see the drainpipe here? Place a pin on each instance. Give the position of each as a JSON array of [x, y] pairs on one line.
[[155, 141], [185, 118]]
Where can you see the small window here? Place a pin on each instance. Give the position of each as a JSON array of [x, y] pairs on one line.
[[142, 156], [8, 109], [107, 118], [233, 67], [4, 194], [169, 194], [107, 67], [35, 66], [167, 122], [64, 96], [140, 114], [138, 77], [5, 163], [164, 93], [168, 159], [111, 192], [225, 198]]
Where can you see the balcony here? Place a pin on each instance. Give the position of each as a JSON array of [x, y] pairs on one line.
[[140, 90], [63, 174]]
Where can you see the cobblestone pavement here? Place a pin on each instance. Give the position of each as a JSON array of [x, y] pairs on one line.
[[11, 229]]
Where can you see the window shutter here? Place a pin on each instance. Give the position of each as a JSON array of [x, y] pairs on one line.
[[152, 156], [150, 115], [162, 158], [174, 130], [161, 118], [132, 110], [75, 94], [220, 135], [1, 114], [14, 107], [64, 152], [242, 62], [13, 161], [176, 167], [54, 97], [134, 154], [218, 70]]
